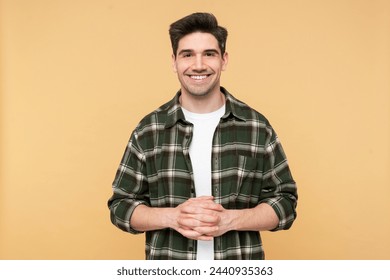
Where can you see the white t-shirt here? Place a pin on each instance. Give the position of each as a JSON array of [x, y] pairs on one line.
[[200, 154]]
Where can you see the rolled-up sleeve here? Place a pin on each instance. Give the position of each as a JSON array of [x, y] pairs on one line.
[[279, 188], [130, 187]]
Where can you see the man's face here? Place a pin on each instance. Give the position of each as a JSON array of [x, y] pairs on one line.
[[198, 64]]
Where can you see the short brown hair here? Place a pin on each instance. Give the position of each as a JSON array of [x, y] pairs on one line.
[[202, 22]]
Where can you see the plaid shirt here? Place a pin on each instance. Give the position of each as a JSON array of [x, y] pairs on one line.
[[249, 167]]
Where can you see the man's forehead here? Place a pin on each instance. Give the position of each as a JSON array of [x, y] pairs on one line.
[[198, 41]]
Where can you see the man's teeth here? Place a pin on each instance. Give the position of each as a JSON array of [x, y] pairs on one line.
[[198, 77]]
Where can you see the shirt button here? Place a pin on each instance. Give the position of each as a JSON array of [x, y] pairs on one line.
[[190, 248]]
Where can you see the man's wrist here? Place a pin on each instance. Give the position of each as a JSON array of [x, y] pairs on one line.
[[230, 219], [168, 217]]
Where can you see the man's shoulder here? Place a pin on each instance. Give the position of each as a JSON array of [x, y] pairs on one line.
[[158, 117], [246, 111]]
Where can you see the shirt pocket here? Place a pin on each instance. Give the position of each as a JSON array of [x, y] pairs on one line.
[[248, 182]]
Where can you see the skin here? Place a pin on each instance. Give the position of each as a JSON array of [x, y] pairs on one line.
[[198, 64]]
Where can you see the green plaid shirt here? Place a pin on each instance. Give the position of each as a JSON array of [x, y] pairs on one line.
[[249, 167]]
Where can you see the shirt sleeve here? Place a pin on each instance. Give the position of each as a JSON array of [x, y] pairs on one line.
[[130, 187], [279, 188]]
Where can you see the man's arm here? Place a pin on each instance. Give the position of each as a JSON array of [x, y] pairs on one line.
[[130, 187], [201, 218]]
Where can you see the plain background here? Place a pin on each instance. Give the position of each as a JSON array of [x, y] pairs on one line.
[[77, 76]]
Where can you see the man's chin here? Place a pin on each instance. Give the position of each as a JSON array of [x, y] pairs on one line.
[[199, 94]]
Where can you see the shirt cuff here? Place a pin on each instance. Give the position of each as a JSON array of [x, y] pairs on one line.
[[284, 210]]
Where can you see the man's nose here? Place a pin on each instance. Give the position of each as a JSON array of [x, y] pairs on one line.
[[199, 63]]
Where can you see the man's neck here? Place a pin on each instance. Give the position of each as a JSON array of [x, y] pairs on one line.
[[202, 104]]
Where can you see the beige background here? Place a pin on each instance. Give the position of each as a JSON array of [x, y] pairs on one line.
[[76, 77]]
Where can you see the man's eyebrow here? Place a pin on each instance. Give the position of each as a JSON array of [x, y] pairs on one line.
[[185, 51], [205, 51], [211, 51]]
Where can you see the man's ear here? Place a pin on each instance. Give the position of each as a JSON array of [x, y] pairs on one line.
[[174, 63], [225, 59]]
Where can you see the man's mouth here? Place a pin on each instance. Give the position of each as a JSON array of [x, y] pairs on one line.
[[198, 77]]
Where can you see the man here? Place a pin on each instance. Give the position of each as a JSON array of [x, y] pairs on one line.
[[204, 173]]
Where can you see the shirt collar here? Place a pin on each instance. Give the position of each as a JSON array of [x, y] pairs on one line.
[[233, 106], [175, 113]]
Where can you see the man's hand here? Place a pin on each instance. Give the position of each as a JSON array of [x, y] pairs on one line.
[[198, 218]]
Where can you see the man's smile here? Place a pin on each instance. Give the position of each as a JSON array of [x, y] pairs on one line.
[[198, 77]]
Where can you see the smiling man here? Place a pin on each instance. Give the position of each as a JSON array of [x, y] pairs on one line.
[[203, 174]]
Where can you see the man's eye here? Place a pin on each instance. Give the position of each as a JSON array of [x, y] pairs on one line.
[[211, 54], [187, 55]]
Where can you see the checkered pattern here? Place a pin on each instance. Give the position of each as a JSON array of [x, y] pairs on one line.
[[249, 167]]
